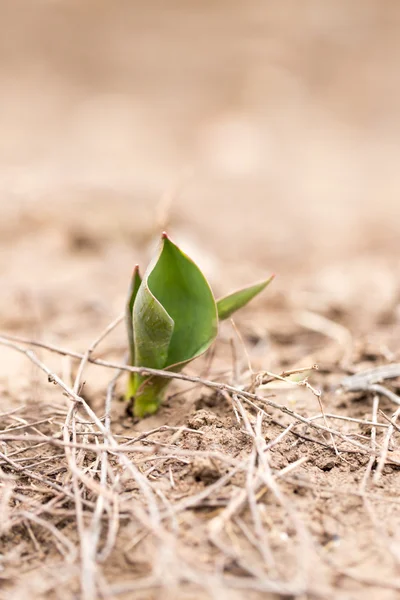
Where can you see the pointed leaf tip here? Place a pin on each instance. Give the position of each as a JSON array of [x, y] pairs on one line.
[[229, 304], [164, 235], [184, 293]]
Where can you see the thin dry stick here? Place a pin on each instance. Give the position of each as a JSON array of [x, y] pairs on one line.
[[87, 591], [60, 537], [265, 377], [326, 423], [38, 547], [27, 425], [7, 413], [160, 429], [112, 531], [280, 437], [95, 529], [353, 420], [397, 428], [251, 481], [303, 537], [92, 348], [372, 459], [385, 449], [6, 337]]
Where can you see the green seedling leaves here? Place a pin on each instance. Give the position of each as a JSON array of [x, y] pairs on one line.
[[172, 318], [229, 304]]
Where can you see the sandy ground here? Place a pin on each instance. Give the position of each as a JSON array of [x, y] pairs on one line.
[[264, 138]]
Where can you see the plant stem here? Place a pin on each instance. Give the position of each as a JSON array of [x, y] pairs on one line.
[[145, 394]]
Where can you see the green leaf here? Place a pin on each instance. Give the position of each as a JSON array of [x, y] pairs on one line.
[[181, 288], [229, 304], [133, 290], [153, 328]]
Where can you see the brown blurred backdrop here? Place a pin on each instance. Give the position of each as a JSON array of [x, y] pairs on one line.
[[273, 126]]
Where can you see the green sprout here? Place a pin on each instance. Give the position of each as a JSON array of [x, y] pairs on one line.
[[172, 318]]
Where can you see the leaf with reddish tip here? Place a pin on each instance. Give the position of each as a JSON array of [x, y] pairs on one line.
[[183, 291], [229, 304], [174, 320]]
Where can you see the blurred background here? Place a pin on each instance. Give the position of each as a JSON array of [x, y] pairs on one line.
[[263, 135]]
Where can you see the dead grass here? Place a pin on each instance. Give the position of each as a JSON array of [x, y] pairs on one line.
[[234, 496]]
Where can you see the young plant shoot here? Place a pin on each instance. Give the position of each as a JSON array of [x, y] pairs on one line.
[[172, 318]]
